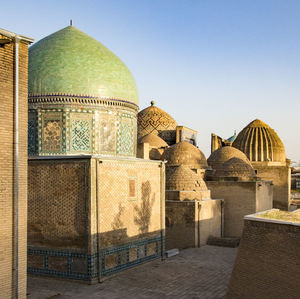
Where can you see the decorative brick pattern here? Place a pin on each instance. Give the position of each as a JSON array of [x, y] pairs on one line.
[[57, 203]]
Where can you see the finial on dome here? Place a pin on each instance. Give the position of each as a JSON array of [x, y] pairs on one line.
[[71, 22], [152, 103]]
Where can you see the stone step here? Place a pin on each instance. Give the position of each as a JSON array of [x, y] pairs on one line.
[[171, 252], [223, 242]]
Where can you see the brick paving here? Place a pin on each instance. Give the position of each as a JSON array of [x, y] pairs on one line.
[[194, 273]]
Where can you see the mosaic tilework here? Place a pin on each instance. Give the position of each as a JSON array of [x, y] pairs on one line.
[[82, 266], [116, 259], [51, 132], [80, 135], [32, 134], [52, 135], [125, 145], [65, 130], [63, 264]]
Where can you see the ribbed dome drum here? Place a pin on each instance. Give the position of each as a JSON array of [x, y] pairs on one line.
[[260, 143]]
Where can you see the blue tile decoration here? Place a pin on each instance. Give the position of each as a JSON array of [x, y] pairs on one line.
[[32, 134], [90, 263], [80, 135], [125, 143], [140, 258]]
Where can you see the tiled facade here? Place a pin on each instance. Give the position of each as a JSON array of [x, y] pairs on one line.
[[90, 217], [62, 129]]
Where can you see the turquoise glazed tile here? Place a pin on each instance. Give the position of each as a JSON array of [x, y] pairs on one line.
[[71, 62]]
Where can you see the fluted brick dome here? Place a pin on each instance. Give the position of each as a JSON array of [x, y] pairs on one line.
[[153, 140], [223, 154], [236, 167], [154, 120], [260, 143], [184, 153], [184, 179]]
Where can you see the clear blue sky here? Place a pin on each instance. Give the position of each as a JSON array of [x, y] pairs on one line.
[[213, 65]]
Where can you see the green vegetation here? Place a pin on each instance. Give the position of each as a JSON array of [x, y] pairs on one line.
[[295, 190], [281, 215]]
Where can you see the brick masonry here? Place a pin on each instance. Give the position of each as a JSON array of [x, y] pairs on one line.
[[7, 239], [267, 264]]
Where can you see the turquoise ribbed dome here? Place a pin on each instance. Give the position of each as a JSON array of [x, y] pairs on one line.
[[71, 62]]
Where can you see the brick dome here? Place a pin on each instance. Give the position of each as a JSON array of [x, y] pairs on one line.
[[260, 143], [223, 154], [184, 153], [236, 167], [153, 140], [184, 179], [156, 121]]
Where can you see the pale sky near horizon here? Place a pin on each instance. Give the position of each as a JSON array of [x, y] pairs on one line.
[[212, 65]]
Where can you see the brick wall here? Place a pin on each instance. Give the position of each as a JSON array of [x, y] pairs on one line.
[[267, 264], [281, 178], [240, 199], [7, 169]]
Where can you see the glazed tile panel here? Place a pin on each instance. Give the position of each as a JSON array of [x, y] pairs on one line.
[[65, 131]]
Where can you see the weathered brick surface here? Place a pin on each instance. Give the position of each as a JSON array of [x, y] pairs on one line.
[[240, 199], [7, 169], [194, 273], [267, 264]]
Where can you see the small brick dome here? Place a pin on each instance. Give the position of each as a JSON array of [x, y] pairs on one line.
[[223, 154], [236, 167], [184, 179], [153, 140], [260, 143], [184, 153]]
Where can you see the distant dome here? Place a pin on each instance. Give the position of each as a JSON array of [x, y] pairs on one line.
[[184, 179], [260, 143], [73, 63], [153, 140], [236, 167], [154, 120], [184, 153], [223, 154]]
